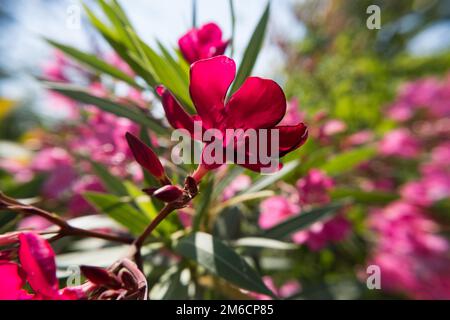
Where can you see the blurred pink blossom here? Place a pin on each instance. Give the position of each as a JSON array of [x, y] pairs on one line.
[[313, 188], [332, 127], [77, 204], [58, 164], [241, 182], [401, 143], [413, 258], [430, 95], [54, 68], [33, 223], [358, 138], [274, 210], [293, 114]]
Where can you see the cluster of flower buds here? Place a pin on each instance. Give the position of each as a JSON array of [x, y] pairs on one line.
[[122, 281]]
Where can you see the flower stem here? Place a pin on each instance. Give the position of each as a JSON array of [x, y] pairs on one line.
[[7, 203]]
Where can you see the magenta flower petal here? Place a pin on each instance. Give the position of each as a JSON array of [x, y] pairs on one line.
[[259, 103], [210, 80], [176, 115], [291, 137], [189, 46], [38, 261], [209, 33], [202, 43], [146, 157], [11, 281]]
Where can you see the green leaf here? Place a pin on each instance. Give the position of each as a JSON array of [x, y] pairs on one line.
[[203, 205], [94, 63], [28, 189], [167, 75], [303, 221], [120, 12], [119, 210], [363, 197], [120, 48], [233, 26], [118, 23], [346, 161], [110, 182], [170, 286], [252, 51], [175, 65], [141, 200], [264, 243], [81, 95], [221, 260], [269, 180]]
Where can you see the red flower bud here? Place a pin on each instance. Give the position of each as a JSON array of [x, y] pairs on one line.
[[168, 193], [101, 277], [147, 158]]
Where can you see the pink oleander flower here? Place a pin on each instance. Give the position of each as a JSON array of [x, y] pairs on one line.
[[241, 182], [274, 210], [438, 164], [33, 223], [400, 143], [20, 170], [412, 257], [314, 187], [332, 127], [202, 43], [54, 69], [38, 269], [322, 233], [293, 114], [313, 190], [287, 290], [430, 189], [78, 204], [429, 95], [101, 137], [358, 138], [258, 104], [58, 164]]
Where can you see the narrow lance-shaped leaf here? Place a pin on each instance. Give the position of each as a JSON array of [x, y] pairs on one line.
[[221, 260], [303, 220], [205, 199], [111, 183], [120, 211], [81, 95], [346, 161], [363, 197], [94, 63], [269, 180], [120, 48], [252, 51], [233, 26]]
